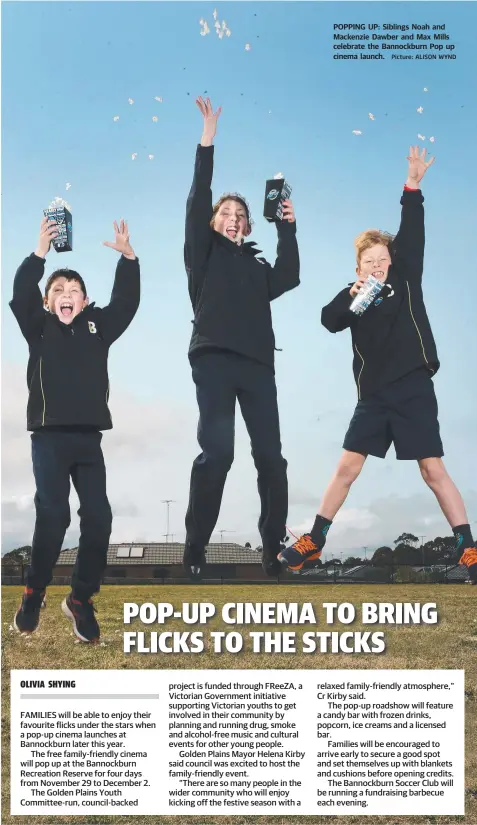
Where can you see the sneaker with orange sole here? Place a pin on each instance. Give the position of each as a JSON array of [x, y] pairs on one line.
[[304, 553], [469, 559]]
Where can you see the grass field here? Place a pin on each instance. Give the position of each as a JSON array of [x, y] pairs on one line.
[[450, 644]]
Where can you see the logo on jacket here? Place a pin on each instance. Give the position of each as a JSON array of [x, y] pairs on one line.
[[381, 297], [274, 193], [92, 326]]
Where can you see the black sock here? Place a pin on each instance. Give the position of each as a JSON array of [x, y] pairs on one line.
[[463, 537], [319, 530]]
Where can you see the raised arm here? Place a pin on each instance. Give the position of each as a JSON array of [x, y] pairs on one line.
[[285, 274], [27, 301], [408, 245], [117, 315], [198, 232]]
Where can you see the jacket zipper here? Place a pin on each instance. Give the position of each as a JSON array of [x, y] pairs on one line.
[[417, 328], [361, 370], [43, 393]]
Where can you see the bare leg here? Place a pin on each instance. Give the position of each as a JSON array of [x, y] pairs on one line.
[[450, 500], [347, 471]]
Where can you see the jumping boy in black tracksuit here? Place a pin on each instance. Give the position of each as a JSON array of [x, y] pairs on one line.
[[394, 360], [67, 378], [232, 352]]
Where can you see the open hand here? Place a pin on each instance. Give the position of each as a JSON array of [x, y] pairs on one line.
[[48, 231], [210, 120], [121, 243], [418, 166], [288, 212]]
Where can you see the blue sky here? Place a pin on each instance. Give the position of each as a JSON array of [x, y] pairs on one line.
[[69, 68]]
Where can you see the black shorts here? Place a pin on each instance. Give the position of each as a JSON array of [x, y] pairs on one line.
[[403, 413]]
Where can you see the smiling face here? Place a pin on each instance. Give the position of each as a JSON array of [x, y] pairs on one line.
[[374, 261], [231, 220], [65, 299]]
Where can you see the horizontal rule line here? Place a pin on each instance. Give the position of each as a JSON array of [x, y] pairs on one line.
[[36, 696]]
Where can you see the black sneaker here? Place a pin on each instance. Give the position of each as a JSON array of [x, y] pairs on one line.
[[270, 564], [194, 561], [27, 617], [81, 614], [301, 555]]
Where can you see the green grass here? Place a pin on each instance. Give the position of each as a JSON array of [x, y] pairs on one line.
[[450, 644]]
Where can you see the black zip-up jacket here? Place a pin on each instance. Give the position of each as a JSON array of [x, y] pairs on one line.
[[67, 372], [393, 336], [229, 286]]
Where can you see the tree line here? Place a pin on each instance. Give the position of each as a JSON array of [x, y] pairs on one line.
[[406, 551]]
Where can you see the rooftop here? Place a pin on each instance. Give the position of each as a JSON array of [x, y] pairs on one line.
[[168, 553]]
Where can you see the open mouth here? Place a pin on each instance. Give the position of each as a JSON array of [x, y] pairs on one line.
[[66, 309], [231, 233], [378, 274]]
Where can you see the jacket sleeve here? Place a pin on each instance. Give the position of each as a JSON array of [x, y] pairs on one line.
[[408, 245], [27, 301], [198, 232], [285, 274], [115, 318], [337, 316]]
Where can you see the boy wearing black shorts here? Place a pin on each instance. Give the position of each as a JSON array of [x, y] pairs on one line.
[[394, 360], [67, 377]]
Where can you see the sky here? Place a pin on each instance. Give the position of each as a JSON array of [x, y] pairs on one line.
[[68, 69]]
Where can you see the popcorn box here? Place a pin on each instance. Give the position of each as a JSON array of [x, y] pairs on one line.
[[277, 190], [59, 211], [365, 298]]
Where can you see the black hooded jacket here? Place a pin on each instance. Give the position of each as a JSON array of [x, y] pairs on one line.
[[393, 336], [229, 286], [67, 372]]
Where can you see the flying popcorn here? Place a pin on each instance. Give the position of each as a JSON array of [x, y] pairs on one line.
[[130, 100], [221, 29], [151, 157], [357, 132], [420, 110], [68, 186], [421, 137], [247, 47], [159, 99], [426, 90], [215, 14], [115, 118], [432, 139], [371, 117], [154, 119], [205, 28], [134, 156]]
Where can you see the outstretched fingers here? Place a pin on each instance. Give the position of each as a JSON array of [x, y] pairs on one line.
[[201, 106], [206, 108]]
